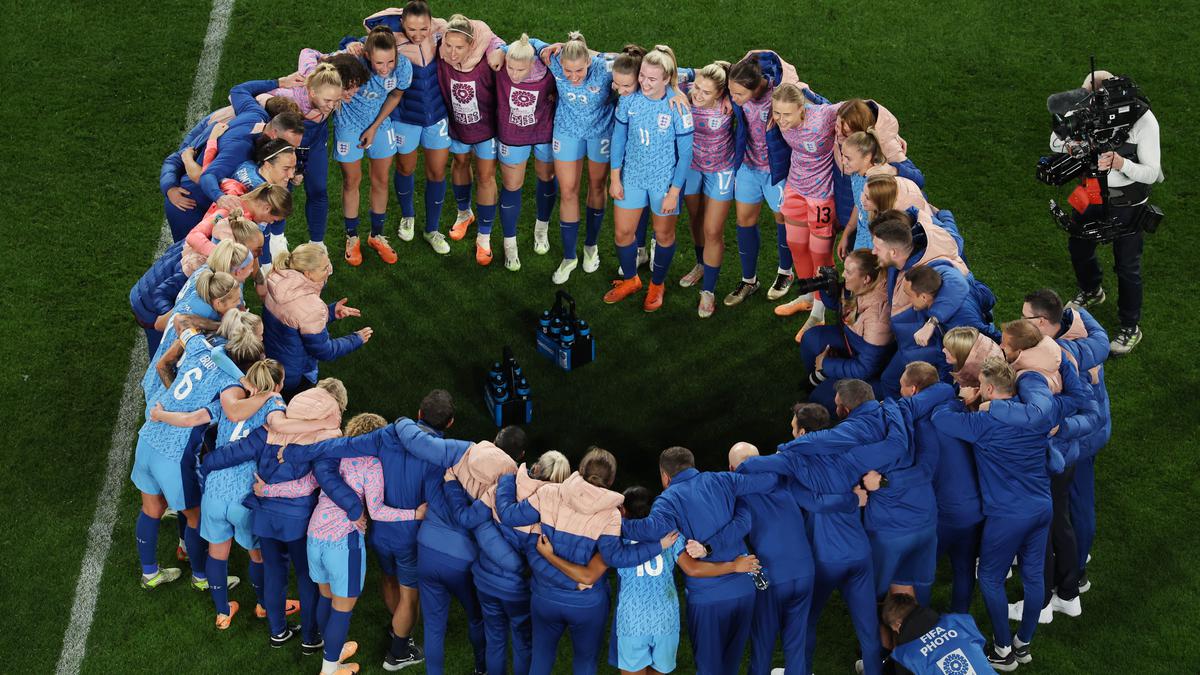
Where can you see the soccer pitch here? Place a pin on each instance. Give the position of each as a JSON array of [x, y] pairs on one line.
[[97, 96]]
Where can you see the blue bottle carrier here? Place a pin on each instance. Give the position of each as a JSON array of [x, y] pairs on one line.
[[507, 392], [563, 337]]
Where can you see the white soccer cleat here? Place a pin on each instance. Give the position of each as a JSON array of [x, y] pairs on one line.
[[563, 273], [541, 239], [1070, 607], [407, 228], [591, 258], [708, 304], [693, 276], [512, 261], [437, 241]]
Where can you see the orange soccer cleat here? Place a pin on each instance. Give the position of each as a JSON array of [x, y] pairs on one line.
[[800, 304], [223, 620], [459, 229], [383, 248], [353, 252], [483, 256], [290, 607], [654, 297], [623, 288]]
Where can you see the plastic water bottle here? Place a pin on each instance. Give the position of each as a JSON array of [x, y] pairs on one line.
[[544, 322], [555, 328], [760, 579], [582, 329], [568, 337], [523, 388]]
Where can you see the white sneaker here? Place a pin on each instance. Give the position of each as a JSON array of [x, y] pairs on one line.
[[591, 258], [407, 228], [778, 671], [693, 276], [322, 245], [1016, 611], [858, 667], [512, 262], [437, 241], [541, 240], [1070, 607], [646, 255], [563, 273]]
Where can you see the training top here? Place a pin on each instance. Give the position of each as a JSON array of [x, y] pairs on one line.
[[813, 145], [364, 476], [647, 603], [758, 113], [657, 144]]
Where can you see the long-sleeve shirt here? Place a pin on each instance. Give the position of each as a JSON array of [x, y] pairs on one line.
[[364, 476], [1148, 167]]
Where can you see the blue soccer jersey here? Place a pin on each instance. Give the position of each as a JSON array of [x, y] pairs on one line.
[[232, 484], [361, 110], [189, 302], [648, 603], [649, 154], [247, 174], [584, 110], [198, 381]]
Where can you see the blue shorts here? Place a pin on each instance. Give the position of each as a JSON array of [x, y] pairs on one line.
[[574, 149], [345, 143], [175, 479], [752, 186], [482, 149], [716, 185], [512, 155], [638, 198], [398, 561], [908, 559], [636, 652], [407, 137], [222, 520], [342, 564]]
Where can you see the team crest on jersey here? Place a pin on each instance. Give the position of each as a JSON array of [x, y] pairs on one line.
[[664, 120], [465, 104], [715, 122], [956, 663], [594, 89], [809, 146], [389, 83], [764, 115], [343, 148], [521, 106]]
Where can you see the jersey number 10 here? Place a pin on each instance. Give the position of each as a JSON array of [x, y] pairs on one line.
[[653, 567]]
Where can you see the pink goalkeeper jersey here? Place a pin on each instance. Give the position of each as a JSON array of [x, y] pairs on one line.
[[813, 145], [758, 113], [712, 144], [364, 475]]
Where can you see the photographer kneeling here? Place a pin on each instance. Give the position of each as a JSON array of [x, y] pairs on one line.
[[1131, 169], [858, 348]]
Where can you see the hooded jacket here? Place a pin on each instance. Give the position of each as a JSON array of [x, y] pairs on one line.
[[155, 292], [1084, 338], [295, 321], [867, 330], [967, 376]]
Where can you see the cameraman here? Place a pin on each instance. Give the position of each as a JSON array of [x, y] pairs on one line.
[[1132, 169], [860, 347]]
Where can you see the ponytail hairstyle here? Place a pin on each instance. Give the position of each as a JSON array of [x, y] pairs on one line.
[[867, 143], [245, 231], [959, 341], [857, 115], [269, 149], [575, 48], [748, 73], [242, 343], [598, 467], [868, 264], [290, 121], [325, 75], [629, 61], [882, 191], [281, 104], [304, 258], [716, 72], [337, 390], [264, 375], [552, 467], [364, 423], [381, 38], [416, 8], [350, 69], [663, 57], [461, 25], [227, 256], [521, 50], [277, 198], [212, 286], [788, 93]]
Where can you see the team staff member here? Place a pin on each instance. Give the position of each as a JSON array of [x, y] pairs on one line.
[[652, 150]]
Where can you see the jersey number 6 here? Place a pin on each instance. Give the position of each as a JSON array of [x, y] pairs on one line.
[[186, 382]]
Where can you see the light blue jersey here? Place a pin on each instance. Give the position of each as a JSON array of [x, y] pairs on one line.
[[650, 157], [361, 110], [585, 110], [188, 302], [198, 381], [648, 603], [234, 483], [247, 174]]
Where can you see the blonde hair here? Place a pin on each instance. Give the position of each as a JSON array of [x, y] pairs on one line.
[[663, 57], [304, 258], [226, 256], [325, 75], [882, 190], [244, 231], [598, 467], [959, 341], [277, 198], [575, 48], [716, 72], [998, 373], [867, 143], [212, 286], [364, 423], [264, 375], [521, 50], [462, 25], [239, 328], [1023, 334], [788, 93], [337, 390], [553, 467]]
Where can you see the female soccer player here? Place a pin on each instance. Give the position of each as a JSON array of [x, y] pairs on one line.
[[862, 115], [526, 97], [362, 125], [274, 163], [465, 74], [165, 459], [861, 157], [708, 191], [752, 82], [652, 150], [579, 516], [296, 318]]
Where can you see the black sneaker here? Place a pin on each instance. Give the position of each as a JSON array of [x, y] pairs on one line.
[[310, 648], [743, 290], [783, 282], [1127, 338], [392, 663], [1006, 663], [1021, 654], [1086, 299], [288, 633]]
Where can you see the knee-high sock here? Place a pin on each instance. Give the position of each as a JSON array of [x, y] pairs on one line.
[[627, 255], [351, 226], [324, 607], [487, 217], [147, 542], [181, 523], [662, 262], [462, 195], [710, 277], [435, 194], [785, 254], [335, 630], [405, 186], [218, 577], [797, 243], [197, 550], [510, 211], [821, 251], [256, 581], [699, 255], [547, 190], [643, 226], [570, 236], [595, 218], [748, 240], [377, 222]]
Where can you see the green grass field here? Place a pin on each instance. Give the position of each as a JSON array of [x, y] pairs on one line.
[[96, 98]]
